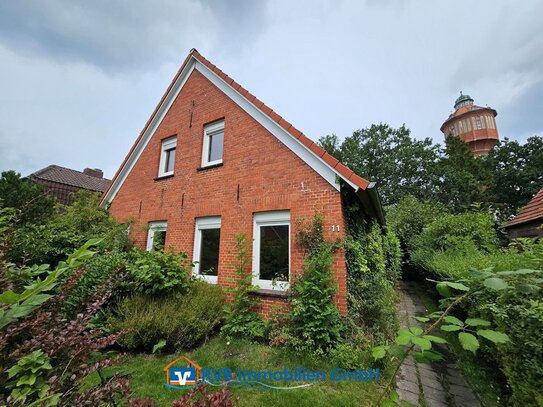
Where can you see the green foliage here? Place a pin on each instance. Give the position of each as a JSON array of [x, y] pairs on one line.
[[241, 319], [463, 177], [98, 270], [314, 322], [517, 175], [156, 272], [512, 301], [410, 216], [28, 199], [370, 283], [66, 230], [182, 321], [17, 305], [27, 382], [401, 165]]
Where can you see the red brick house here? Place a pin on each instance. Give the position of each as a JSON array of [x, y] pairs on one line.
[[213, 161]]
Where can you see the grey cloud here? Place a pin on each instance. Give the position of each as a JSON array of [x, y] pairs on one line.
[[123, 35]]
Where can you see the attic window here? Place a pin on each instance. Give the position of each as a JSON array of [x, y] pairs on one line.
[[167, 157], [213, 144]]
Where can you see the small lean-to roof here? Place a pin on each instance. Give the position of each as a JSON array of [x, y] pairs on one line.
[[532, 212], [314, 155], [67, 176]]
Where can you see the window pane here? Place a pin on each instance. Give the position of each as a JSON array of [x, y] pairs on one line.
[[209, 252], [170, 160], [215, 146], [274, 252], [159, 240]]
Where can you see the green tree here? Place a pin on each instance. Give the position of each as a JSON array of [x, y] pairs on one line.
[[517, 173], [399, 164], [26, 197], [464, 178]]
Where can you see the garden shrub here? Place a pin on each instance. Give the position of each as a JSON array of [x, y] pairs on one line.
[[155, 272], [408, 218], [50, 354], [182, 320], [372, 300], [98, 270], [241, 318], [314, 322], [458, 233], [68, 229]]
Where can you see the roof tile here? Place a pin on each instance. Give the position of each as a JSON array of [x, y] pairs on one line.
[[531, 212]]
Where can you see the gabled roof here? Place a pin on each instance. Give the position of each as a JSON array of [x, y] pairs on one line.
[[67, 176], [314, 155], [531, 212]]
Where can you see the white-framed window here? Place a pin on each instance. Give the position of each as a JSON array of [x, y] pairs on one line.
[[213, 144], [478, 123], [156, 236], [167, 157], [271, 250], [207, 239]]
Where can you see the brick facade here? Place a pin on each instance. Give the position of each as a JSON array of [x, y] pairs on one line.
[[258, 174]]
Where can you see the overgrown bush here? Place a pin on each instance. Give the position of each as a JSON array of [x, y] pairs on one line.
[[157, 272], [370, 285], [408, 218], [457, 233], [314, 322], [182, 320], [49, 354], [69, 228], [241, 318]]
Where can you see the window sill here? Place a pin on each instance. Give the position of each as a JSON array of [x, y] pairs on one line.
[[160, 178], [269, 293], [208, 167]]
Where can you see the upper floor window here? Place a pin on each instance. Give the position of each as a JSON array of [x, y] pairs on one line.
[[167, 157], [213, 144], [478, 123], [156, 237], [271, 250]]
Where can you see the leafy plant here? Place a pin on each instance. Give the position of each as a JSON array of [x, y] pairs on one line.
[[201, 396], [156, 272], [182, 320], [371, 283], [71, 345], [16, 305], [314, 322], [26, 379], [51, 241], [241, 318]]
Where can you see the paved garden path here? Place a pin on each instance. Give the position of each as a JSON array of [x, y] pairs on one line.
[[436, 385]]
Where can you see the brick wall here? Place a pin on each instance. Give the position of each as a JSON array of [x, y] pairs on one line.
[[267, 174]]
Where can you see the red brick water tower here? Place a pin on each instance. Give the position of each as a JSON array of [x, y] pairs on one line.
[[473, 124]]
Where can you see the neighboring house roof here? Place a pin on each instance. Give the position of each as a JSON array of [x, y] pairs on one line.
[[67, 176], [532, 212], [314, 155]]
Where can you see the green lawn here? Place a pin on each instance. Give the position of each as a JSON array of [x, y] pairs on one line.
[[147, 377]]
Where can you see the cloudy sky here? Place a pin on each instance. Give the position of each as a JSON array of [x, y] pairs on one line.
[[79, 79]]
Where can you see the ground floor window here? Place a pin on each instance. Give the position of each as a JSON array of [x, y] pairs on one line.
[[271, 250], [156, 237], [206, 248]]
